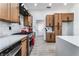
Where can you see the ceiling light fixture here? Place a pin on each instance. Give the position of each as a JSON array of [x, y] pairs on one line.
[[50, 4], [35, 4], [65, 4]]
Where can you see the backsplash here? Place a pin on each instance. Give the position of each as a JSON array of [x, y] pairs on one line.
[[15, 27], [4, 28]]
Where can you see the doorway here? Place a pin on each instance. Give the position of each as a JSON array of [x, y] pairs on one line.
[[40, 27]]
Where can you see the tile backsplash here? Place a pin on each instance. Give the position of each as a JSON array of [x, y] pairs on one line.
[[4, 28], [15, 27]]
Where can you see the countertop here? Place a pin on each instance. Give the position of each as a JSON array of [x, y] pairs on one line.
[[71, 39], [9, 40]]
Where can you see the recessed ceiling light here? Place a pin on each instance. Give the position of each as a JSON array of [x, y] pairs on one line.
[[35, 4], [65, 4], [50, 4]]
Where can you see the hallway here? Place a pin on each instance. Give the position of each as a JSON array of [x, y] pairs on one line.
[[41, 48]]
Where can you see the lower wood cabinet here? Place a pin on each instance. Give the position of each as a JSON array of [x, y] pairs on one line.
[[50, 37], [24, 47]]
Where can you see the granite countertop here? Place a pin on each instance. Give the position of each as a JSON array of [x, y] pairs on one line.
[[9, 40], [71, 39]]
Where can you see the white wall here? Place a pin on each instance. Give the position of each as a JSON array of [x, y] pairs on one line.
[[67, 28], [75, 9]]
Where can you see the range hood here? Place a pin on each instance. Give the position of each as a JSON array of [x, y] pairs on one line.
[[23, 11]]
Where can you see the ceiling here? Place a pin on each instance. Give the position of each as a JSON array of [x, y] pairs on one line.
[[42, 6]]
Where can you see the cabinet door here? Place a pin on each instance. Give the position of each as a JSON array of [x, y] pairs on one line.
[[56, 18], [15, 12], [56, 30], [60, 31], [67, 17], [71, 16], [47, 37], [4, 11], [52, 37], [23, 47], [59, 19], [9, 12], [47, 20], [26, 23], [30, 20], [51, 20]]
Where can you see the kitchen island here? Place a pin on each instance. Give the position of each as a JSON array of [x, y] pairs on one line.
[[67, 45]]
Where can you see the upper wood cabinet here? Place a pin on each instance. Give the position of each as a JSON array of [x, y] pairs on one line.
[[49, 20], [4, 11], [57, 19], [67, 17], [28, 21], [15, 12], [9, 12]]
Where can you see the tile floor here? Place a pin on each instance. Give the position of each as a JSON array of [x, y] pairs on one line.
[[41, 48]]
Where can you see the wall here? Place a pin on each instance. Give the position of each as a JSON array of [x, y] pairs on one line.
[[67, 28], [15, 27], [75, 9]]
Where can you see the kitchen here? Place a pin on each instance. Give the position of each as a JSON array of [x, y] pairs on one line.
[[37, 29]]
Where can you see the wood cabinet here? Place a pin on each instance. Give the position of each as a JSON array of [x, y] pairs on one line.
[[57, 19], [50, 37], [67, 17], [9, 12], [28, 21], [58, 30], [49, 20], [24, 47], [15, 12], [4, 11], [58, 24]]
